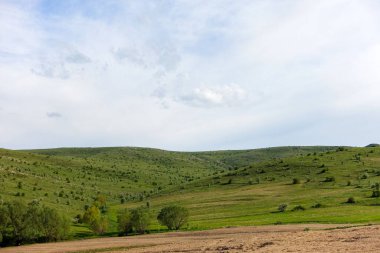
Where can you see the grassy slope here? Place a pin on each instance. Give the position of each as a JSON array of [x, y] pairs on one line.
[[215, 203], [199, 180]]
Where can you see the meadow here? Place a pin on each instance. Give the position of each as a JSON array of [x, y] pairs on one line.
[[220, 188]]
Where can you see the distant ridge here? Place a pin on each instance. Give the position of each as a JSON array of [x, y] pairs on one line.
[[372, 145]]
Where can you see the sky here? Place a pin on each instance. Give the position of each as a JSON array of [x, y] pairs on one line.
[[189, 74]]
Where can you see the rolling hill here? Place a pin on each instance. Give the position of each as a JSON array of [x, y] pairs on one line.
[[220, 188]]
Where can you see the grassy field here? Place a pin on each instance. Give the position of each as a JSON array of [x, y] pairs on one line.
[[220, 188]]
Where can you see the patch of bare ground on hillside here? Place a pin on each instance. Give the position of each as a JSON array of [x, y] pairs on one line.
[[279, 238]]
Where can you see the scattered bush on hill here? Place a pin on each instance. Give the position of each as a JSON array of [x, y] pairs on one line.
[[376, 190], [329, 179], [298, 208], [317, 205], [295, 181], [351, 200], [282, 207]]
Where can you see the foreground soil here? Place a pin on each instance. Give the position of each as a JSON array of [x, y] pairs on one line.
[[279, 238]]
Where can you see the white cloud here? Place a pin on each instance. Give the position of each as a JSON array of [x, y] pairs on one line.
[[189, 74], [227, 95]]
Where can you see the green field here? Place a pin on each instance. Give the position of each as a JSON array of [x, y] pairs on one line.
[[220, 188]]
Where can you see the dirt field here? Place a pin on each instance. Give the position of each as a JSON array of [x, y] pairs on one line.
[[280, 238]]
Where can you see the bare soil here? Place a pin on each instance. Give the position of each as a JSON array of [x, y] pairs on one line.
[[276, 238]]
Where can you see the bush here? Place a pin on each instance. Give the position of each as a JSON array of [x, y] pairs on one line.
[[329, 179], [282, 207], [174, 217], [317, 205], [376, 191], [351, 200], [298, 208]]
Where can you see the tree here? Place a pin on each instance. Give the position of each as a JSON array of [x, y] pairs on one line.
[[4, 221], [124, 222], [140, 219], [101, 203], [174, 217], [15, 213], [91, 214], [20, 223], [54, 226], [95, 220]]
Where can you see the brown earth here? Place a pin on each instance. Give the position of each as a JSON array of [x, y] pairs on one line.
[[276, 238]]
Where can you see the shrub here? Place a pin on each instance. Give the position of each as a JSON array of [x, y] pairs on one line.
[[329, 179], [174, 217], [298, 208], [376, 191], [295, 181], [317, 205], [351, 200], [282, 207]]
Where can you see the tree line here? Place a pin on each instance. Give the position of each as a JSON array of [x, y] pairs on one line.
[[135, 220], [27, 223], [22, 223]]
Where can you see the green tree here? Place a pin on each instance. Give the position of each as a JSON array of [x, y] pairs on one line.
[[95, 220], [91, 215], [140, 219], [15, 213], [174, 217], [124, 222], [20, 223], [101, 203], [33, 221], [54, 226]]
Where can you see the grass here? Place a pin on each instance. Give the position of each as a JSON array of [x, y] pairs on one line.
[[221, 188]]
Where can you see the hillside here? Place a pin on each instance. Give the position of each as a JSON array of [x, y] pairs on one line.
[[220, 188]]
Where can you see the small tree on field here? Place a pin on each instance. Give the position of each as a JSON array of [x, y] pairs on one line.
[[95, 220], [174, 217], [54, 226], [124, 222], [140, 219]]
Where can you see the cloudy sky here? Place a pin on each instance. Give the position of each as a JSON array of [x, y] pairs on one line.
[[189, 74]]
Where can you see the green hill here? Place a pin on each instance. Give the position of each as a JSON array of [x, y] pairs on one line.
[[220, 188]]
